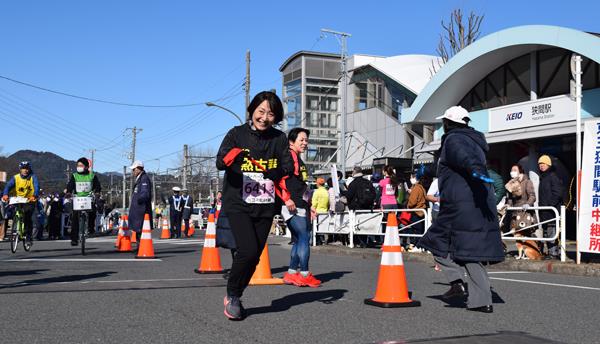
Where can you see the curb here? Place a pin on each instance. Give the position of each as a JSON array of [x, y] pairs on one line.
[[553, 267]]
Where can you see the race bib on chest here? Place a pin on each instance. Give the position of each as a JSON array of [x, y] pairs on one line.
[[256, 189], [83, 186]]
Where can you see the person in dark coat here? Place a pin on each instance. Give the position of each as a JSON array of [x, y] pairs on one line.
[[56, 209], [141, 198], [186, 215], [550, 195], [175, 212], [465, 233]]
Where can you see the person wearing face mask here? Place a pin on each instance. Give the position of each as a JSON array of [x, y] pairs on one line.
[[465, 233], [175, 212], [83, 183], [141, 199], [54, 216], [416, 200], [24, 184], [521, 192], [255, 157], [188, 204], [297, 214]]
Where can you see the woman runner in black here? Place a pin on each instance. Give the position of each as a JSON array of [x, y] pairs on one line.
[[255, 157]]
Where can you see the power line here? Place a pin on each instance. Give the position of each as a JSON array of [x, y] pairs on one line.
[[97, 100]]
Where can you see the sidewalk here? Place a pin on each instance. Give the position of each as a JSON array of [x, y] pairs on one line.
[[511, 264]]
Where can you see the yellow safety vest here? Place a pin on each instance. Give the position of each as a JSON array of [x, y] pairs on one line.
[[23, 186]]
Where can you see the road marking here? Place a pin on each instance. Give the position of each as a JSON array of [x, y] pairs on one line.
[[80, 260], [544, 283], [509, 272], [22, 284], [158, 280]]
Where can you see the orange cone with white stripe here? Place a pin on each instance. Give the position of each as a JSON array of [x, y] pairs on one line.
[[262, 275], [166, 233], [145, 248], [210, 263], [124, 244], [192, 230], [392, 290], [120, 233]]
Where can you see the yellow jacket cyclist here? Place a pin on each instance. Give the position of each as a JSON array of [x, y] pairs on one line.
[[24, 184]]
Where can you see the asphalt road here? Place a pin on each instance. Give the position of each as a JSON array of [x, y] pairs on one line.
[[54, 295]]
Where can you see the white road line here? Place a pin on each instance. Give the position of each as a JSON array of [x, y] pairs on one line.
[[21, 284], [544, 283], [80, 260], [508, 272], [159, 280]]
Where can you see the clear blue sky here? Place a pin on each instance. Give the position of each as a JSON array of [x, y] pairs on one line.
[[174, 52]]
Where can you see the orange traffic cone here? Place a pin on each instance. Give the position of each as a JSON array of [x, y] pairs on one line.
[[166, 233], [124, 244], [192, 230], [391, 284], [133, 237], [145, 248], [120, 233], [210, 263], [262, 275]]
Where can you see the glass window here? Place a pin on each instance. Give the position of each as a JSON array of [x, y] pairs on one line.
[[589, 78], [314, 68], [554, 72]]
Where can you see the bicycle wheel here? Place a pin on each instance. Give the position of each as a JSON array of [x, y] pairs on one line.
[[82, 231], [26, 245], [14, 241]]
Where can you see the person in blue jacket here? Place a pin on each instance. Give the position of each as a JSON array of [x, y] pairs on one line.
[[465, 233], [141, 198]]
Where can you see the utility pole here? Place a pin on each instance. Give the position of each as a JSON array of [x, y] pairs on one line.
[[134, 132], [185, 166], [341, 37], [247, 86], [154, 190], [68, 172], [124, 185], [110, 201], [92, 151]]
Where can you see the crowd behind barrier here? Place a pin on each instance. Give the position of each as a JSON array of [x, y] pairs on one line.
[[372, 223]]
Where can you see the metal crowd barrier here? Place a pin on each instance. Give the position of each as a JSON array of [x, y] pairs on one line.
[[560, 227], [363, 222]]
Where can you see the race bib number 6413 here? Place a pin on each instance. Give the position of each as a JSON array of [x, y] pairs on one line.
[[256, 189]]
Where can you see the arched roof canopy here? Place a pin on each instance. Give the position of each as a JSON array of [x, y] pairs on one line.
[[465, 69]]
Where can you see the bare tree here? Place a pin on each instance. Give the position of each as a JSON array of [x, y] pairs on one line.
[[456, 36]]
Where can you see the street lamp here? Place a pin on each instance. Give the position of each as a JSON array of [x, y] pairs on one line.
[[226, 109]]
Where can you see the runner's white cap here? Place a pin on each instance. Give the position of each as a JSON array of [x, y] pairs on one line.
[[456, 114], [176, 188], [137, 163]]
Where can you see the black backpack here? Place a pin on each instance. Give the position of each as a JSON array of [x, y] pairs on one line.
[[365, 195]]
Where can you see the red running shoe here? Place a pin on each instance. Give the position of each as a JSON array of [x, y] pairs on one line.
[[310, 281], [293, 279]]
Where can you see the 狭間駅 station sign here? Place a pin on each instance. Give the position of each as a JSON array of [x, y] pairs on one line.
[[532, 113]]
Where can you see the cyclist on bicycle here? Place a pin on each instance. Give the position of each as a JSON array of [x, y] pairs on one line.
[[83, 183], [24, 184]]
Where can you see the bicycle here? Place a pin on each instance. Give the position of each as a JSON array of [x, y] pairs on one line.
[[18, 225], [82, 205]]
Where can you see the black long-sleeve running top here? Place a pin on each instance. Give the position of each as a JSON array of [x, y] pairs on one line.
[[242, 190]]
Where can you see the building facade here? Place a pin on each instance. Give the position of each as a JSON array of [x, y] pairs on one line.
[[516, 85], [311, 99]]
